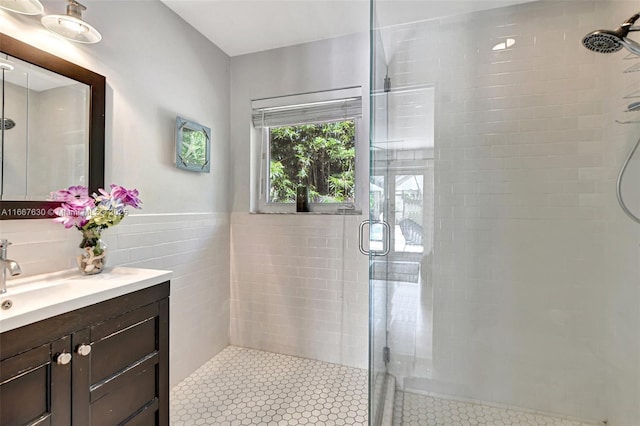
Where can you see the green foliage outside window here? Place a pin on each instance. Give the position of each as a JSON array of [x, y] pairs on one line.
[[320, 156]]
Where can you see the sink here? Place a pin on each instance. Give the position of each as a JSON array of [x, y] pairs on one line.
[[24, 294], [35, 283], [32, 299]]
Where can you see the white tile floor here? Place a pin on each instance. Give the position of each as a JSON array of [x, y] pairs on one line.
[[242, 386], [421, 410]]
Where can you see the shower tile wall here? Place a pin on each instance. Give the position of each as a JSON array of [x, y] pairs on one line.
[[288, 292], [194, 246], [526, 222], [299, 286]]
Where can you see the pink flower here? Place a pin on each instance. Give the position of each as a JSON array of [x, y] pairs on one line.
[[79, 191], [100, 210], [71, 193], [127, 197], [74, 212], [104, 195]]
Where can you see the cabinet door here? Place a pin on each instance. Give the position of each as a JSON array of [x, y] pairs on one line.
[[122, 379], [35, 386]]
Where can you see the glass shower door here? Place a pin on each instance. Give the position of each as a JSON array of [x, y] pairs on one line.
[[401, 200], [527, 287], [378, 211], [380, 245], [401, 191]]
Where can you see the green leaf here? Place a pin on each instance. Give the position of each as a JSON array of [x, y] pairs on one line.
[[320, 156]]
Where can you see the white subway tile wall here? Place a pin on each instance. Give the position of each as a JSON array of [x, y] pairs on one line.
[[535, 267], [194, 246], [299, 286]]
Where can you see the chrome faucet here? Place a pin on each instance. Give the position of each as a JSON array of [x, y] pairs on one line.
[[6, 265]]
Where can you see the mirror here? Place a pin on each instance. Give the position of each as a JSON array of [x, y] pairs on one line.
[[51, 129], [46, 122]]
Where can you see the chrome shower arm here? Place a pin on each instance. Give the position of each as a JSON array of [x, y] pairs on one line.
[[629, 22]]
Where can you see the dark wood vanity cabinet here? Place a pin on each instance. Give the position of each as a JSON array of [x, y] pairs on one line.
[[34, 389], [102, 365]]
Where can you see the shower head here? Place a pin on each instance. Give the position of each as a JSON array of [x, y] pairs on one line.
[[8, 124], [609, 41], [602, 41]]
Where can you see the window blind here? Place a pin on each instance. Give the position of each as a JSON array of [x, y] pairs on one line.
[[265, 115]]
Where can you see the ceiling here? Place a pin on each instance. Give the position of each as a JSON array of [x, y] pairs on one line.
[[33, 77], [246, 26]]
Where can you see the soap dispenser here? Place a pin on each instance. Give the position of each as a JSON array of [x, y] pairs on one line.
[[302, 199]]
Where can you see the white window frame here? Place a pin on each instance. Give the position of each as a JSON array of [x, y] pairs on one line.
[[261, 157]]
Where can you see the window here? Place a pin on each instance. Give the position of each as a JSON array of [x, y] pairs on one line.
[[320, 156], [308, 140]]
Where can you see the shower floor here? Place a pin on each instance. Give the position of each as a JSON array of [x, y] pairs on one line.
[[242, 386], [412, 409]]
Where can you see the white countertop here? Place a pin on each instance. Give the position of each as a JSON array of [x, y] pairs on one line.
[[43, 296]]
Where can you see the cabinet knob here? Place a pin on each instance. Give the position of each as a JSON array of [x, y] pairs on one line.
[[63, 359], [84, 350]]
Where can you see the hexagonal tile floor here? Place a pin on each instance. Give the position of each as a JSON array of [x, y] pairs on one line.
[[411, 409], [242, 386]]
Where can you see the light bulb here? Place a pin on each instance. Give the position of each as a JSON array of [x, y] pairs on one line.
[[74, 26], [71, 28]]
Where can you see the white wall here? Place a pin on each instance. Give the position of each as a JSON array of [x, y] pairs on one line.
[[535, 267], [298, 282], [156, 67], [14, 179]]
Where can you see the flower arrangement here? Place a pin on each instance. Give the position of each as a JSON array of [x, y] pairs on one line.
[[91, 215], [99, 211]]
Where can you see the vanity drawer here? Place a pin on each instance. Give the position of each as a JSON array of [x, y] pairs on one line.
[[125, 366], [129, 398], [123, 341]]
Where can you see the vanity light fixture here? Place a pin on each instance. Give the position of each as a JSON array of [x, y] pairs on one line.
[[71, 26], [24, 7]]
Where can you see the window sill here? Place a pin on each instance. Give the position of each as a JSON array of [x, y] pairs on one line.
[[333, 213]]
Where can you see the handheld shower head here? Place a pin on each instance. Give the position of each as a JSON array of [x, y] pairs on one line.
[[609, 41], [602, 41]]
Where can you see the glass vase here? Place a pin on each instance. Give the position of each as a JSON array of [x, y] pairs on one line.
[[93, 257]]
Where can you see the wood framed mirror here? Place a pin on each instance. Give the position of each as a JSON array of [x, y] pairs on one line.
[[37, 207]]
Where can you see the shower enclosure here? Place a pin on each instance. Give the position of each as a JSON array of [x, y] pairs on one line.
[[512, 276]]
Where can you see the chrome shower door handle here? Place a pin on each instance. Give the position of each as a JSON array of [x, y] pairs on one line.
[[360, 235], [385, 239]]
